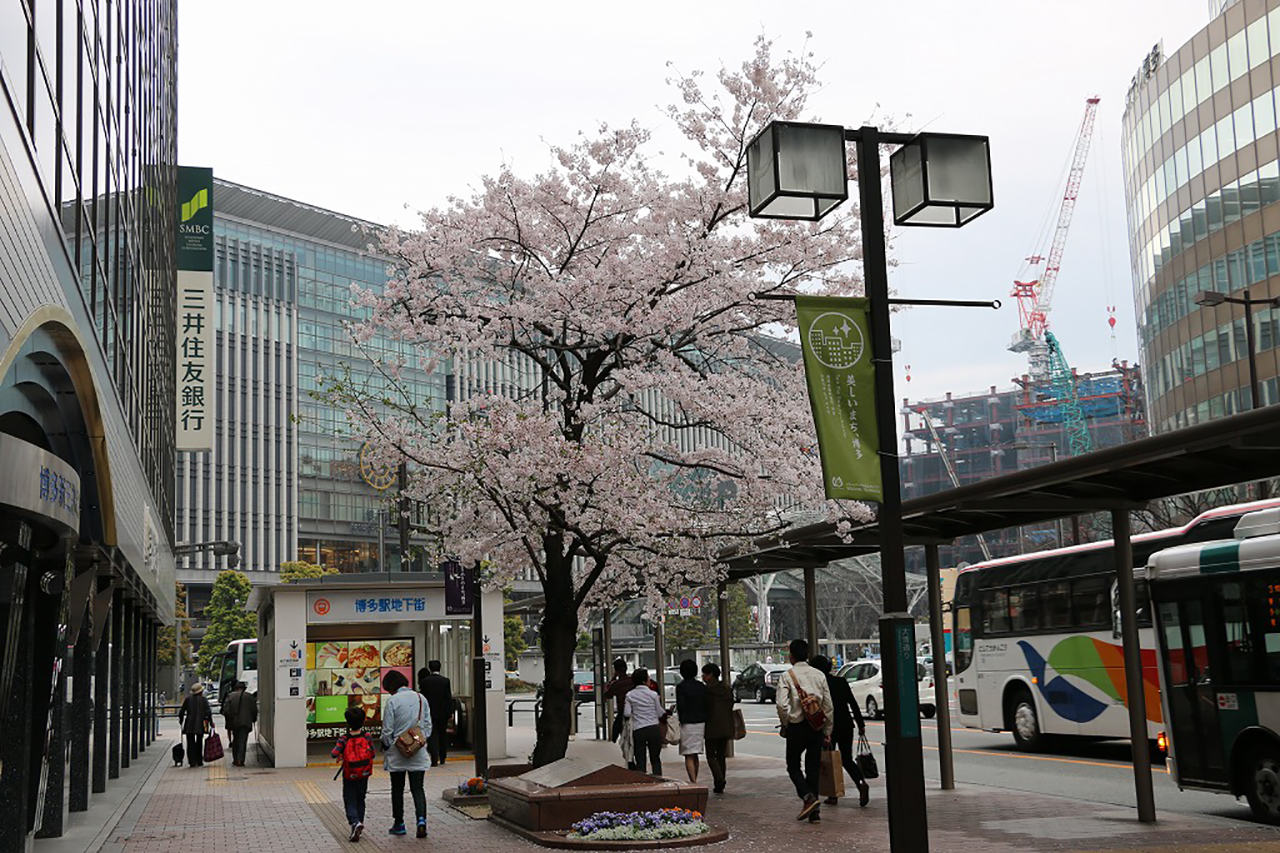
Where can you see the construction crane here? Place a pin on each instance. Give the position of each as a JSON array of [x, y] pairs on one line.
[[1035, 297], [951, 470], [1079, 440]]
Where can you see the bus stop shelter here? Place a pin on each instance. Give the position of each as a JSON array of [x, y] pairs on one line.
[[1116, 480]]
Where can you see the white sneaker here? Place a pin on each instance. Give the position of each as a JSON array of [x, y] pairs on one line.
[[356, 829]]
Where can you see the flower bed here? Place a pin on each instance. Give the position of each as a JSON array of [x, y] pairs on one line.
[[640, 826], [473, 787]]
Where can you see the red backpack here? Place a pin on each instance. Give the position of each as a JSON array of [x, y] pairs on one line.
[[357, 757]]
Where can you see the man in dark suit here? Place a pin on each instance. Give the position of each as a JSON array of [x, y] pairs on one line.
[[842, 732], [435, 688]]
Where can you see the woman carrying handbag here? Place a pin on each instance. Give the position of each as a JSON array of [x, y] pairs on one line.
[[196, 718], [406, 726]]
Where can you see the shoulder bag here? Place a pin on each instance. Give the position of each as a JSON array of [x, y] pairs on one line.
[[412, 740], [866, 760], [810, 705]]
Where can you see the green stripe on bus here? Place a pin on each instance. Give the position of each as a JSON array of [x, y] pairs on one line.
[[1223, 557]]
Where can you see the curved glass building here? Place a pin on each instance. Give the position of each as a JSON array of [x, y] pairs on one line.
[[1202, 182]]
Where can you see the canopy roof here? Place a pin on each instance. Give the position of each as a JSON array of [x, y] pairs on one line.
[[1211, 455]]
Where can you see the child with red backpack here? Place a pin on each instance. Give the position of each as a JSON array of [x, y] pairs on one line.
[[355, 751]]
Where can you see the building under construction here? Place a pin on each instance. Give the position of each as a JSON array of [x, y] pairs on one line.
[[961, 439]]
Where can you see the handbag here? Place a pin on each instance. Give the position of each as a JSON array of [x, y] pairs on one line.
[[213, 747], [739, 725], [810, 705], [412, 739], [831, 774], [866, 761], [670, 725]]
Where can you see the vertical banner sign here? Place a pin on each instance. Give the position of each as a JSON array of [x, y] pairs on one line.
[[458, 591], [836, 341], [194, 398]]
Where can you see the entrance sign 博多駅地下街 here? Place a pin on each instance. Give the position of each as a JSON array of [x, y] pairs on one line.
[[399, 604], [836, 342], [290, 668]]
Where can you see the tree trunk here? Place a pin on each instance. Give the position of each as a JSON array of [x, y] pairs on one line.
[[559, 639]]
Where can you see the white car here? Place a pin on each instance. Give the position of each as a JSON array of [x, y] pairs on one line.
[[864, 679]]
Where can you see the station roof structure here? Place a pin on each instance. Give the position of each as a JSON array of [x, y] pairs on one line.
[[1223, 452]]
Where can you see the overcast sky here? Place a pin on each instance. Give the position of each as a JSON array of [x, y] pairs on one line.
[[365, 108]]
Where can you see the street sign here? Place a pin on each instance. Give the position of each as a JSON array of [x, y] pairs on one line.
[[291, 661]]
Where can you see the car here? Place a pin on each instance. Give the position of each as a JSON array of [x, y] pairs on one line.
[[759, 681], [584, 686], [865, 681]]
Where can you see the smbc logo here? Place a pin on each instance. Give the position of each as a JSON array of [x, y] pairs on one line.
[[198, 202]]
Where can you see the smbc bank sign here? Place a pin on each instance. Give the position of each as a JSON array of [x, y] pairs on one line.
[[195, 219]]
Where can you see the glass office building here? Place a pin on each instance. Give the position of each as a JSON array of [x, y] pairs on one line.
[[88, 214], [1202, 182], [284, 478]]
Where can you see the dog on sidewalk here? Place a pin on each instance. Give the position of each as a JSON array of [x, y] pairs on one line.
[[178, 754]]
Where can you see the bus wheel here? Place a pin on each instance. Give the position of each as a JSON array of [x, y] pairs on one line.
[[1263, 784], [1026, 725]]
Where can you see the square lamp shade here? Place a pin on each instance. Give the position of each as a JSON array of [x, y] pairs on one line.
[[796, 171], [941, 179]]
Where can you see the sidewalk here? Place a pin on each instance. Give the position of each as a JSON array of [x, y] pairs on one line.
[[251, 809]]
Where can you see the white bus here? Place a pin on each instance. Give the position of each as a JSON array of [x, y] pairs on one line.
[[1037, 637], [1218, 607], [239, 662]]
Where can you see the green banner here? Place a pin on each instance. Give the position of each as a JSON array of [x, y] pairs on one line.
[[835, 337], [195, 219]]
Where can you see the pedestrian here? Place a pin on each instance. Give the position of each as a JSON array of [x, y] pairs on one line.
[[643, 707], [240, 712], [196, 718], [842, 728], [802, 686], [616, 690], [436, 689], [720, 724], [355, 751], [691, 708], [405, 709]]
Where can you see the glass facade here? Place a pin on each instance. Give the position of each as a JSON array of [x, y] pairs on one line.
[[1202, 182], [284, 478], [93, 85]]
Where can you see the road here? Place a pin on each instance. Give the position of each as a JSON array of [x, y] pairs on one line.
[[1097, 772]]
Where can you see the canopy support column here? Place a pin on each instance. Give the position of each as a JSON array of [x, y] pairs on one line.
[[1135, 687]]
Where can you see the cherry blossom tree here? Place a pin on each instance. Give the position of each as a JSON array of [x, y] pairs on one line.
[[625, 407]]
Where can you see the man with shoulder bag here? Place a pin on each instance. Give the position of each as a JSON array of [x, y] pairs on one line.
[[807, 717], [240, 712]]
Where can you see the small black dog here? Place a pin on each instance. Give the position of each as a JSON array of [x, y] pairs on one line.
[[178, 754]]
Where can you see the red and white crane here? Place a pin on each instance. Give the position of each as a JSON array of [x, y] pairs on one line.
[[1035, 297]]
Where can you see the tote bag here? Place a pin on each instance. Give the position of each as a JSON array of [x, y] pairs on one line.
[[867, 761], [213, 747]]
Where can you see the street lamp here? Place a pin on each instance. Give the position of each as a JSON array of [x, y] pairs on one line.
[[1212, 299], [797, 171]]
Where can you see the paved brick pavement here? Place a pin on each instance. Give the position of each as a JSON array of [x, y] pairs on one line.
[[221, 808]]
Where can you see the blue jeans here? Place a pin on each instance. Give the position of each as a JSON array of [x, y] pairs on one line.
[[353, 793]]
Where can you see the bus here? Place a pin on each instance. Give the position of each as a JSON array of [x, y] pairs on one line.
[[1217, 610], [239, 662], [1037, 637]]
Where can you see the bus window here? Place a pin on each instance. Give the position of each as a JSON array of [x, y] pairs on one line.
[[1024, 608], [251, 656], [1055, 600], [963, 639], [1270, 594], [228, 668], [1089, 602], [995, 612], [1238, 650], [1179, 671]]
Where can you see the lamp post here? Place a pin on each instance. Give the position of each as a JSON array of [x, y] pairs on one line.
[[798, 171], [1211, 299]]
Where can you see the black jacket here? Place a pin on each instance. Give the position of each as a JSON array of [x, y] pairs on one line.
[[195, 714], [720, 722], [436, 690], [842, 699], [691, 701]]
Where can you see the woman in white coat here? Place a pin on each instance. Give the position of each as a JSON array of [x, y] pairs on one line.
[[404, 710]]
